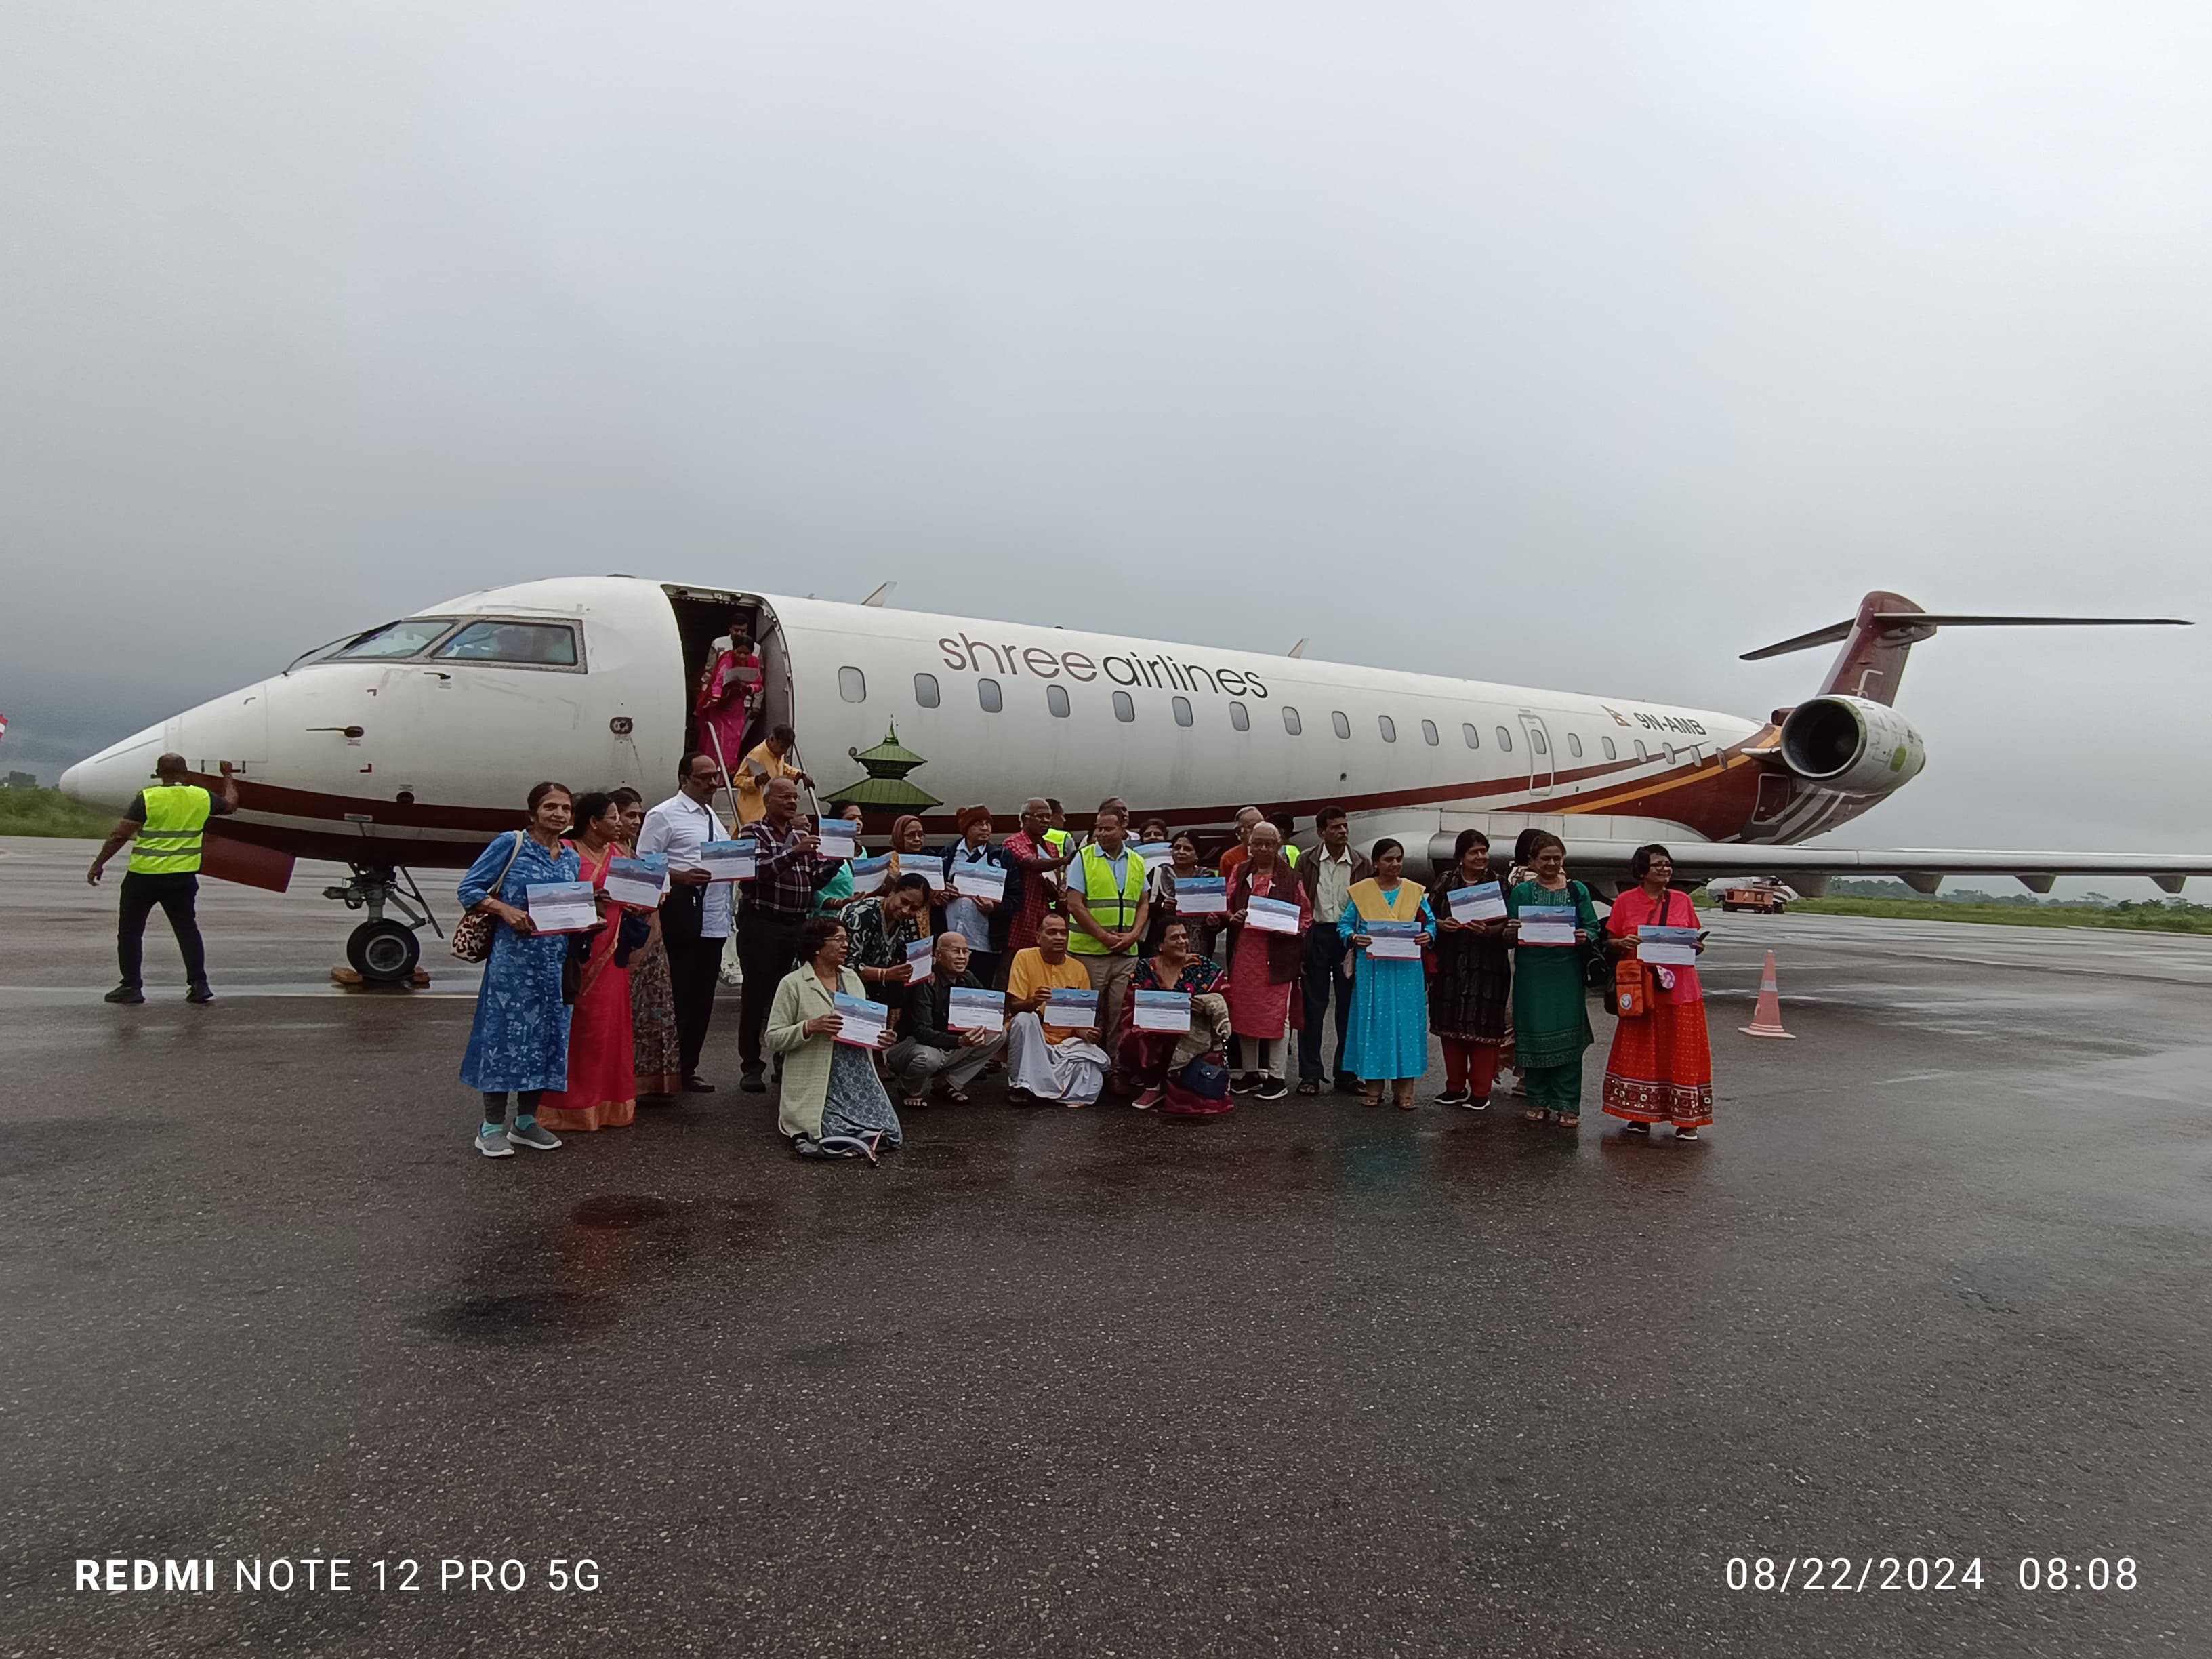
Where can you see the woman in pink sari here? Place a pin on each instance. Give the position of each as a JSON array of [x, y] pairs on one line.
[[602, 1091], [729, 699], [1264, 966]]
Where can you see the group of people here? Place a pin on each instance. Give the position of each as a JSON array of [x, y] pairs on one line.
[[577, 1028]]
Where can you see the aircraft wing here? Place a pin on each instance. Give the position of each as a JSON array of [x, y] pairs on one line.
[[1807, 868]]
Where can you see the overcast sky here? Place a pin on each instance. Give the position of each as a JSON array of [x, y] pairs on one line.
[[1689, 323]]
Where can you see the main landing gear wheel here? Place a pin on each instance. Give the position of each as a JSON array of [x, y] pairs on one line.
[[384, 951]]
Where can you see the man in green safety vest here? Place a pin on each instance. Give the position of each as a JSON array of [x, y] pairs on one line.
[[1105, 892], [167, 822]]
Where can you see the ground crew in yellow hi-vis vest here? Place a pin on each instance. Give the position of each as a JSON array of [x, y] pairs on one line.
[[167, 822], [1106, 895]]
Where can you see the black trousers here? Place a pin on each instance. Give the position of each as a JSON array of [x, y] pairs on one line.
[[1324, 968], [694, 965], [767, 945], [176, 895]]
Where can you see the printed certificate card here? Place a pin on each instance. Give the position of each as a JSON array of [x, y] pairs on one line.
[[1164, 1010], [1484, 901], [638, 881], [976, 1011], [921, 957], [1272, 915], [729, 860], [839, 838], [1201, 896], [863, 1020], [1668, 947], [1393, 941], [868, 874], [975, 880], [564, 907], [1547, 924], [1071, 1010]]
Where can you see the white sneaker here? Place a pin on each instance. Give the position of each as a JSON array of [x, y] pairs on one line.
[[493, 1143]]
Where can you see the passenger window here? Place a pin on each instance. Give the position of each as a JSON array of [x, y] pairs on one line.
[[1536, 740], [1429, 733], [1506, 739], [1388, 727], [1056, 699], [1240, 717], [1125, 710], [1611, 753], [1641, 753], [1673, 754], [1182, 711], [852, 685], [1292, 724], [1574, 745], [988, 694], [925, 690], [399, 639], [543, 645], [1473, 737], [1341, 722]]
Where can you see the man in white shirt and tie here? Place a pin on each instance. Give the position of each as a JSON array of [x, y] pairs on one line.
[[695, 916]]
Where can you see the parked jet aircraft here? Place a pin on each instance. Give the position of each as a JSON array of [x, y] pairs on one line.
[[411, 743]]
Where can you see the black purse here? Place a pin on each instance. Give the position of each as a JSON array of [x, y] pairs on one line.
[[1596, 961]]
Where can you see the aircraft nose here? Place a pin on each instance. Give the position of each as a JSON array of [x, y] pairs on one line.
[[73, 781], [116, 773]]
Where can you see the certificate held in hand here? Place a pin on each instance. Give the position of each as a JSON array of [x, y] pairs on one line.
[[924, 864], [1484, 901], [1071, 1010], [1164, 1010], [868, 874], [1272, 915], [562, 907], [1201, 896], [729, 860], [975, 1010], [638, 881], [1393, 941], [1548, 924], [972, 879], [921, 958], [1155, 853], [839, 838], [864, 1020], [1668, 947]]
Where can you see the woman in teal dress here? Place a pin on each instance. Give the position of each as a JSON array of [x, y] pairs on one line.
[[1389, 1036], [1551, 1016]]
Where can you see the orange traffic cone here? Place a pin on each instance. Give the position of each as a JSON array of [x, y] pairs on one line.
[[1766, 1019]]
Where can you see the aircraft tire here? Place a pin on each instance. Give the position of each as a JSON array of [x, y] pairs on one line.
[[384, 951]]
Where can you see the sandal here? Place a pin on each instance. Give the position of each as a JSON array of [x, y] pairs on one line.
[[1571, 1120], [913, 1104], [1371, 1100], [1534, 1114], [1308, 1087], [956, 1097]]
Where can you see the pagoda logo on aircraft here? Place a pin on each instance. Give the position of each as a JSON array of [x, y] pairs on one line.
[[885, 787]]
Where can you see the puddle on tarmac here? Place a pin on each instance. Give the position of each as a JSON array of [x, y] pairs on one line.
[[521, 1318], [617, 1211]]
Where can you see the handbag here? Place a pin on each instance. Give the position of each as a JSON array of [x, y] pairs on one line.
[[471, 938], [1632, 991], [1596, 965]]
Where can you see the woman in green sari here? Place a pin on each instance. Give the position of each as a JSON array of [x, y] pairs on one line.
[[1551, 1020]]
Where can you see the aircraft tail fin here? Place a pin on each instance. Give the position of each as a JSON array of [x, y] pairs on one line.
[[1889, 625]]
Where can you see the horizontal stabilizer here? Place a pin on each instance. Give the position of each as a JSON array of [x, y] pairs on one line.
[[1920, 623]]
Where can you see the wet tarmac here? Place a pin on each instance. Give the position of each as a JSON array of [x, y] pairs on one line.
[[1310, 1379]]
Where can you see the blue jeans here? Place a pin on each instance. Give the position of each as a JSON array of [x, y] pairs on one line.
[[1324, 969]]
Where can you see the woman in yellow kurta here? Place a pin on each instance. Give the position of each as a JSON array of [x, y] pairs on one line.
[[1389, 1027]]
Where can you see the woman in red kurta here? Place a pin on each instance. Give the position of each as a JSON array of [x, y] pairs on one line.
[[602, 1091], [1264, 967], [728, 700], [1661, 1068]]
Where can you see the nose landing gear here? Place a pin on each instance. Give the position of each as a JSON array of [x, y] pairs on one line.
[[382, 949]]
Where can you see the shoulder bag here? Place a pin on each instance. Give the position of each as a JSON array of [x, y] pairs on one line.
[[472, 938]]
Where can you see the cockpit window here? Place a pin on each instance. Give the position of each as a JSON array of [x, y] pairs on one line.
[[543, 645], [399, 639]]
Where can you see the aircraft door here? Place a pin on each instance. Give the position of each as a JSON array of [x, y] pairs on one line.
[[1542, 763]]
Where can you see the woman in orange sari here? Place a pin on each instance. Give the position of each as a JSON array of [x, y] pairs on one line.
[[602, 1091], [1661, 1068]]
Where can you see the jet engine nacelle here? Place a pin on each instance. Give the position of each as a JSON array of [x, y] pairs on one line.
[[1852, 745]]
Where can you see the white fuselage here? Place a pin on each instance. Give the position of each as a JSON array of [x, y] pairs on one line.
[[418, 760]]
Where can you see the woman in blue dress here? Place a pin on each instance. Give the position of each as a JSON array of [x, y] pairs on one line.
[[1390, 1030], [519, 1042]]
